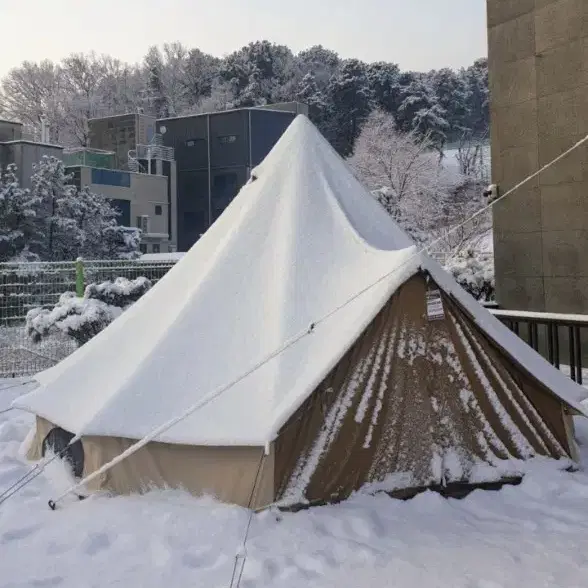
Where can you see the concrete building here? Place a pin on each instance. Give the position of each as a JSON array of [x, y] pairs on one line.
[[140, 198], [538, 62], [140, 190], [128, 163], [14, 148], [215, 154], [121, 134]]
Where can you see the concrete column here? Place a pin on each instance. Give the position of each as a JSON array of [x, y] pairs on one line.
[[538, 62]]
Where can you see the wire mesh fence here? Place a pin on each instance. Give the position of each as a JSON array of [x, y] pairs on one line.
[[27, 286]]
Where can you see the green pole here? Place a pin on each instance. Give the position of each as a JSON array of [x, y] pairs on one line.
[[79, 277]]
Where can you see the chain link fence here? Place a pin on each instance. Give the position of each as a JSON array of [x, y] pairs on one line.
[[24, 286]]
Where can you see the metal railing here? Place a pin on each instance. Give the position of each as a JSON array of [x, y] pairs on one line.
[[558, 337], [25, 286]]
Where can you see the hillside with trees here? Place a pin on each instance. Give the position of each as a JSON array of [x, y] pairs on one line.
[[175, 80]]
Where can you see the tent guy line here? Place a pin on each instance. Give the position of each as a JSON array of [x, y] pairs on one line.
[[242, 553], [303, 333]]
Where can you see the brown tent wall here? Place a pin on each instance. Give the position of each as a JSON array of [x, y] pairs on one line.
[[418, 403], [430, 403]]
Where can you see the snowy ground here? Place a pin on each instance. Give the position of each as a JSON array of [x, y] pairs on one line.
[[532, 535]]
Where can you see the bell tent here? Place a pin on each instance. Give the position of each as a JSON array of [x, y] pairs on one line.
[[380, 372]]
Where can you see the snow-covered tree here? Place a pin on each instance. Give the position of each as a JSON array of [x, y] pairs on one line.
[[451, 92], [429, 201], [403, 172], [383, 79], [350, 98], [320, 62], [156, 95], [90, 221], [420, 111], [33, 91], [201, 71], [51, 188], [175, 80], [18, 214], [477, 97], [256, 72], [319, 108], [71, 223], [82, 78], [221, 97]]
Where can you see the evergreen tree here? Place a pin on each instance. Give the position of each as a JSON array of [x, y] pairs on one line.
[[74, 223], [177, 80], [451, 92], [477, 97], [351, 101], [49, 186], [309, 93], [321, 63], [18, 213], [201, 71], [383, 80], [256, 72], [156, 96], [420, 111]]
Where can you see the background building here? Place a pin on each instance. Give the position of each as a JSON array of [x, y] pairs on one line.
[[214, 155], [141, 199], [121, 134], [538, 67], [128, 163], [14, 148]]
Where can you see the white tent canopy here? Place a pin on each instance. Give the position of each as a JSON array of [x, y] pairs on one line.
[[297, 243]]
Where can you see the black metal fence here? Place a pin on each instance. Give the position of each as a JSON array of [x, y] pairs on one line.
[[561, 338]]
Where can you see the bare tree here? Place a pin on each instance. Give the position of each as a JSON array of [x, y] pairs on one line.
[[405, 173], [408, 178], [471, 156], [82, 78], [33, 91]]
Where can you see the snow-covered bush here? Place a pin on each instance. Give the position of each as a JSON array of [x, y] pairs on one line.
[[121, 292], [474, 273], [83, 318]]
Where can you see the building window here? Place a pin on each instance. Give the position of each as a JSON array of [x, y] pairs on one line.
[[123, 207], [139, 224], [143, 247], [158, 210], [109, 177], [156, 248], [226, 139], [194, 142]]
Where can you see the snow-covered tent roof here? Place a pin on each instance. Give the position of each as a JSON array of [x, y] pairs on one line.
[[299, 241]]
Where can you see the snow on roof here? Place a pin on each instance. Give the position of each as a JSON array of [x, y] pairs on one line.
[[299, 241], [171, 256]]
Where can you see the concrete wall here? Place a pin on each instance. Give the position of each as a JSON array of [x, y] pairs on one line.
[[538, 61], [24, 154], [145, 193]]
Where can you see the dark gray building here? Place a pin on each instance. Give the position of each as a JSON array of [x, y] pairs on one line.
[[214, 155], [24, 153]]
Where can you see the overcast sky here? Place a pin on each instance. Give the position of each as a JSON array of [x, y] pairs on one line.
[[417, 34]]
